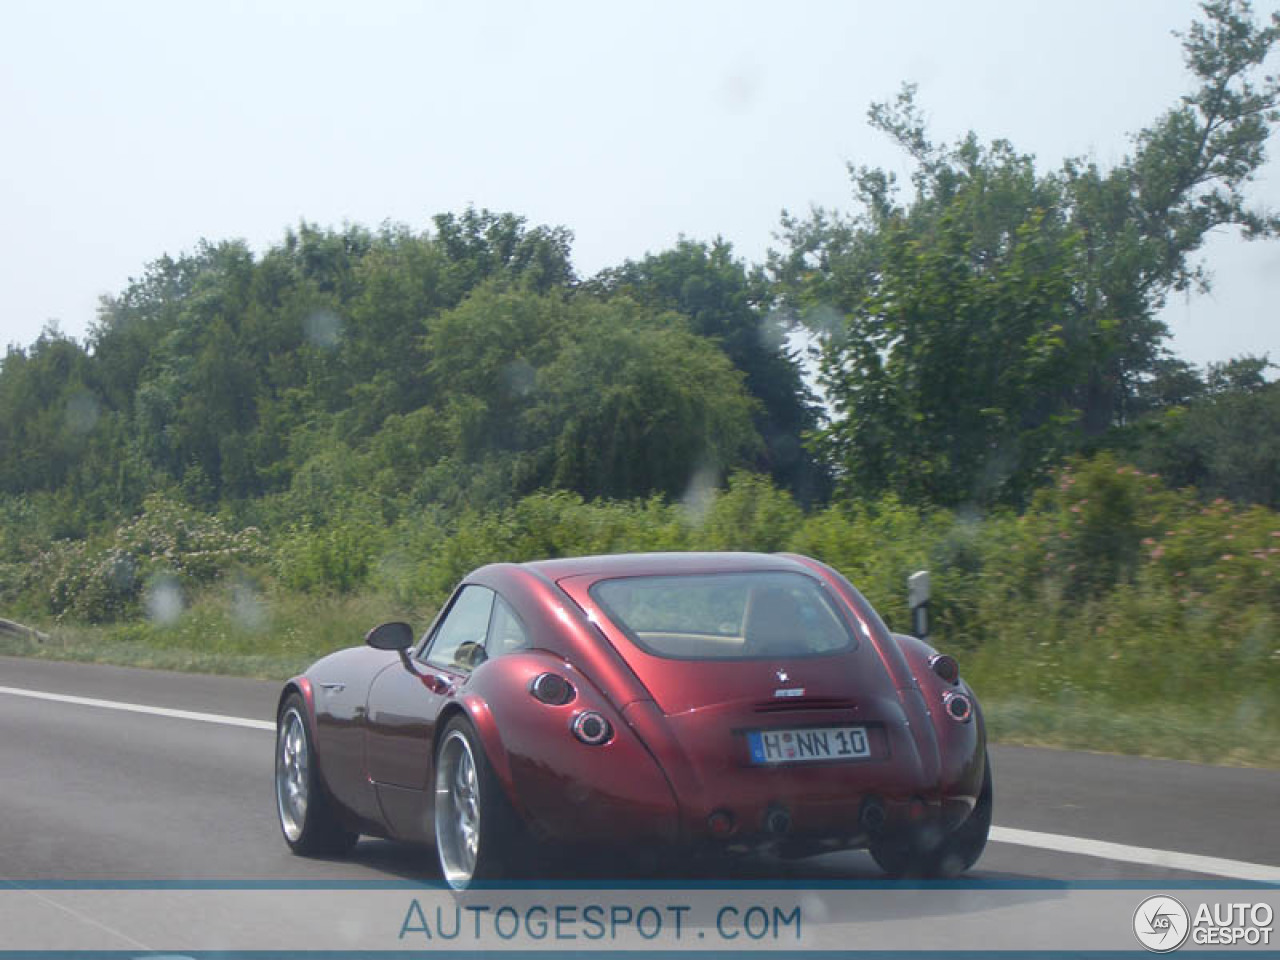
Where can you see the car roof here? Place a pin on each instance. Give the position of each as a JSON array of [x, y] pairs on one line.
[[659, 564]]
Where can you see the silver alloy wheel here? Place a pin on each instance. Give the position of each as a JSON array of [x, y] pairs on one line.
[[457, 810], [291, 774]]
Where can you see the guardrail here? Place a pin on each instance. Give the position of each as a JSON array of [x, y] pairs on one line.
[[14, 629]]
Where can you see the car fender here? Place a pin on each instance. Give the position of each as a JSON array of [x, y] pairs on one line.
[[302, 686], [961, 746], [563, 788], [476, 708]]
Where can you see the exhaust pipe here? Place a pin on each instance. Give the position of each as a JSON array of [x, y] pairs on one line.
[[777, 821], [872, 815]]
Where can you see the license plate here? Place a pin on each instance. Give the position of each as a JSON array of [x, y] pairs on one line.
[[808, 745]]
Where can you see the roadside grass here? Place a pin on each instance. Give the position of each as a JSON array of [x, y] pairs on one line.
[[1187, 689], [1241, 733], [237, 633], [98, 645], [1037, 693]]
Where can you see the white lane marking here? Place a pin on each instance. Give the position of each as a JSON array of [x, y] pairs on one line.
[[142, 708], [1123, 853], [1147, 856]]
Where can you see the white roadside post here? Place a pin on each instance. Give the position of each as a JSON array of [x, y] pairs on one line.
[[918, 601]]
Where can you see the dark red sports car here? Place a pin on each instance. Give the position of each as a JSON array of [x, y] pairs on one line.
[[720, 701]]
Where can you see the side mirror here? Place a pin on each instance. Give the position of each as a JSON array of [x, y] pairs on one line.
[[395, 635]]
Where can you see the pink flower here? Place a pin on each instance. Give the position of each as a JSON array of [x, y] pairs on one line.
[[1157, 553], [1228, 556]]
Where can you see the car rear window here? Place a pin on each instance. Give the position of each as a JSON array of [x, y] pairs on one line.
[[725, 616]]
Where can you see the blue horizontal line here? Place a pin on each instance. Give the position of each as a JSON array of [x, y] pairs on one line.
[[631, 954], [608, 885]]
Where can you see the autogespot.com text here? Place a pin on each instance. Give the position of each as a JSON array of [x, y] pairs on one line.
[[487, 924]]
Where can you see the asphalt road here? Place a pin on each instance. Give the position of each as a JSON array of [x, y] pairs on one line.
[[91, 794]]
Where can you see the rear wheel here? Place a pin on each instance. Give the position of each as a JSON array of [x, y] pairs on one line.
[[934, 854], [476, 830], [308, 818]]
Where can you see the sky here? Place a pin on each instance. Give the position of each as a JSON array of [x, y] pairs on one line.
[[135, 129]]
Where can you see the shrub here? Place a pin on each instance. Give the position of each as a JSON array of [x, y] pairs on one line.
[[338, 556], [877, 546], [752, 514], [103, 580]]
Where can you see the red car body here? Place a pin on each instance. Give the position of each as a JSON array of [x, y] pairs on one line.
[[677, 768]]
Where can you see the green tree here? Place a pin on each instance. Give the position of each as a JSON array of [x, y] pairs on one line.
[[725, 302], [49, 408], [605, 398], [1171, 382], [979, 330], [1225, 441], [490, 348], [481, 245], [633, 405]]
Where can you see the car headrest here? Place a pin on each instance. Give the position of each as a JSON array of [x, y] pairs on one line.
[[773, 622]]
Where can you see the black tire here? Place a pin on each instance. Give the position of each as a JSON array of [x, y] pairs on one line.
[[308, 816], [478, 835], [965, 845], [933, 854]]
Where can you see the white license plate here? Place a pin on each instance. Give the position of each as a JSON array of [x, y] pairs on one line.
[[808, 744]]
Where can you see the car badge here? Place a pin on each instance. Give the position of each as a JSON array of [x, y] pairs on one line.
[[783, 677]]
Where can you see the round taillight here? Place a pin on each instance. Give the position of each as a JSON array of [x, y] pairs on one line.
[[591, 728], [551, 688], [959, 707], [945, 667]]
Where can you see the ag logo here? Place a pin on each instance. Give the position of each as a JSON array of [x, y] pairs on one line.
[[1161, 924]]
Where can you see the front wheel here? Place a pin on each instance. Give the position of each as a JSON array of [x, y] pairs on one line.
[[476, 829], [308, 819], [926, 854]]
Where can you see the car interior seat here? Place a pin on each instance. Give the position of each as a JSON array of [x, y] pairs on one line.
[[772, 624]]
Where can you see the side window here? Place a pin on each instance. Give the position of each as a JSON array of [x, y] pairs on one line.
[[506, 633], [459, 641]]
